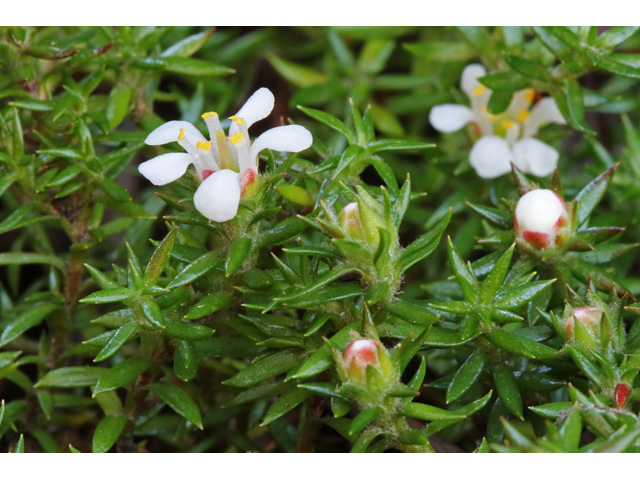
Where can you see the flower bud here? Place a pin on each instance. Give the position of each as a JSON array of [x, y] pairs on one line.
[[350, 220], [584, 325], [359, 355], [541, 219]]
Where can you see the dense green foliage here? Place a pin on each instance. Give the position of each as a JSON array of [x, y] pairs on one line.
[[130, 322]]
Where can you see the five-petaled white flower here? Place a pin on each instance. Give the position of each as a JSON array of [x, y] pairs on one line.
[[505, 138], [227, 165]]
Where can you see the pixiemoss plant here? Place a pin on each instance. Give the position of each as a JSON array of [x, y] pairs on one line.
[[319, 239]]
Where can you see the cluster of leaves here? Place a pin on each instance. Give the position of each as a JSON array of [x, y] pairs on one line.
[[129, 322]]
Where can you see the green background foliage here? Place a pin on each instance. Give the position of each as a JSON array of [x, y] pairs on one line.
[[129, 322]]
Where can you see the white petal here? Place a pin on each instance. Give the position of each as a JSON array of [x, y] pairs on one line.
[[257, 107], [169, 133], [469, 79], [165, 168], [491, 157], [535, 157], [520, 100], [218, 197], [539, 211], [289, 138], [545, 111], [450, 118]]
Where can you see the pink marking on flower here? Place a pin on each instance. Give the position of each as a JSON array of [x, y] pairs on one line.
[[359, 355], [206, 174], [538, 239], [248, 177]]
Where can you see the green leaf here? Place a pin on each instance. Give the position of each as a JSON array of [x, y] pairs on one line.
[[107, 433], [591, 195], [514, 297], [297, 74], [24, 322], [284, 404], [178, 400], [429, 413], [160, 258], [498, 273], [499, 102], [209, 304], [296, 194], [505, 82], [183, 66], [118, 105], [71, 377], [121, 374], [266, 368], [27, 258], [119, 338], [152, 312], [110, 295], [195, 269], [288, 228], [352, 155], [553, 410], [328, 120], [520, 345], [397, 145], [528, 68], [331, 293], [188, 46], [363, 419], [466, 376], [186, 330], [442, 52], [615, 36], [425, 245], [20, 445], [413, 312], [465, 411], [321, 359], [185, 361], [508, 390], [238, 251], [575, 105], [465, 277]]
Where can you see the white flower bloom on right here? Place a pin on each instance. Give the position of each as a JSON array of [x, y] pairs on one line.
[[504, 138]]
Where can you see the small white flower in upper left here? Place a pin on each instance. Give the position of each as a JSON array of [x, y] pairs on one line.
[[227, 165], [505, 138]]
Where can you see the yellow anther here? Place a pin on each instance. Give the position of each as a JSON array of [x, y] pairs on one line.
[[479, 90], [523, 115], [181, 135], [507, 124], [203, 145], [236, 138], [529, 96], [493, 118], [238, 120], [208, 114]]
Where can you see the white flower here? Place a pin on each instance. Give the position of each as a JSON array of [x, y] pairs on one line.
[[505, 138], [226, 164], [541, 218]]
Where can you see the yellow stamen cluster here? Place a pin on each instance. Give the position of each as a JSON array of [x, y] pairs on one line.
[[181, 135], [479, 90], [529, 96], [238, 120], [203, 145], [507, 124], [523, 115], [236, 138], [208, 114]]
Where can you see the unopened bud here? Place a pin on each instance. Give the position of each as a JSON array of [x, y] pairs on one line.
[[541, 219], [350, 220], [584, 324], [359, 355]]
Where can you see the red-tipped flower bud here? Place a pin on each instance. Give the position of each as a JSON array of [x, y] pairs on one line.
[[350, 220], [541, 219], [584, 324], [359, 355]]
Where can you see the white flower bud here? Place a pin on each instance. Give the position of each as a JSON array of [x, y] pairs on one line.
[[589, 319], [540, 219]]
